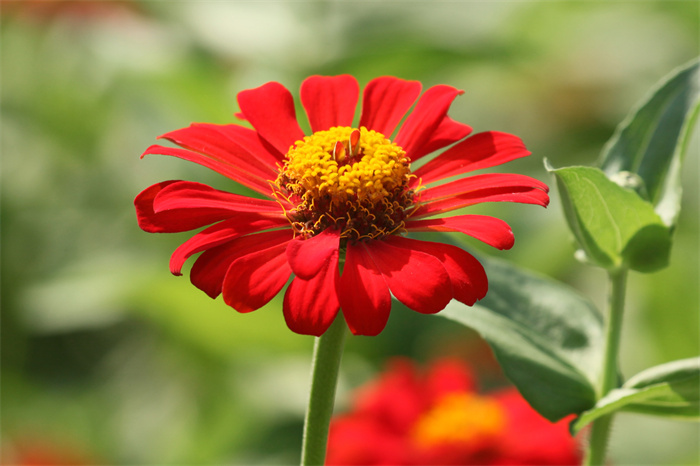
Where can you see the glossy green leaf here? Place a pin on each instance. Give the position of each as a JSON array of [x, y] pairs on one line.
[[546, 337], [651, 142], [670, 390], [613, 225]]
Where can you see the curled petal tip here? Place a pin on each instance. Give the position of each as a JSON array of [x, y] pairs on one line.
[[339, 151], [354, 142]]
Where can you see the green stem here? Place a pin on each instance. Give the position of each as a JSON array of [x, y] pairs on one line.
[[600, 430], [328, 350]]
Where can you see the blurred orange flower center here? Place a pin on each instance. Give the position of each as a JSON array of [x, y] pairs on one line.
[[463, 419], [354, 180]]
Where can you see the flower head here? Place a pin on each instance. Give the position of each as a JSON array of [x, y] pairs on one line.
[[346, 192], [406, 417]]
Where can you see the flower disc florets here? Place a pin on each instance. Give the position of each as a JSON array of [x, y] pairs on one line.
[[353, 180], [460, 418]]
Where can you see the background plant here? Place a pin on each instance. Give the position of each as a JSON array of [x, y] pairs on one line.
[[559, 352]]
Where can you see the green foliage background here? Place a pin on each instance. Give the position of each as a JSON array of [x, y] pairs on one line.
[[104, 351]]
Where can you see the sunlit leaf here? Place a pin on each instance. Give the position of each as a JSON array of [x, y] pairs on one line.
[[670, 390], [613, 225], [546, 337], [653, 139]]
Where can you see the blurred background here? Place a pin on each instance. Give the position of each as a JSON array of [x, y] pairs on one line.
[[108, 359]]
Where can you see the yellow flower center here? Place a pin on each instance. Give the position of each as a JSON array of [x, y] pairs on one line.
[[462, 419], [354, 180]]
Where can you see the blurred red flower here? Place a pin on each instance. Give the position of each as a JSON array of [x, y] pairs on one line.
[[438, 417], [44, 451], [343, 192], [82, 10]]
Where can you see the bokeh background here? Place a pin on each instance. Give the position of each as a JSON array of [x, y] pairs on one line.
[[108, 359]]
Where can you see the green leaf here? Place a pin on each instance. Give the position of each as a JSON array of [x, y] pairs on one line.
[[613, 225], [670, 390], [652, 140], [546, 337]]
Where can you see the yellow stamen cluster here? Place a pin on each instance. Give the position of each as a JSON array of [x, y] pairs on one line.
[[462, 419], [349, 179]]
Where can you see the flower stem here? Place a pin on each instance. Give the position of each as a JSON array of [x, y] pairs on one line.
[[328, 350], [600, 430]]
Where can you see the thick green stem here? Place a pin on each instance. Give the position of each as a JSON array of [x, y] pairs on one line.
[[328, 350], [600, 430]]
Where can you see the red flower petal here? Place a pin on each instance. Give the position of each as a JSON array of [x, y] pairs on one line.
[[492, 231], [210, 268], [250, 180], [172, 221], [415, 278], [254, 279], [212, 141], [447, 376], [270, 109], [238, 225], [310, 306], [446, 133], [354, 440], [395, 399], [469, 282], [491, 187], [385, 101], [479, 151], [531, 439], [363, 293], [307, 256], [330, 100], [250, 140], [479, 182], [524, 196], [420, 125], [186, 195]]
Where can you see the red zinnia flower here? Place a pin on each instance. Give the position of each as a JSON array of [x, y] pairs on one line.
[[342, 191], [33, 451], [408, 418]]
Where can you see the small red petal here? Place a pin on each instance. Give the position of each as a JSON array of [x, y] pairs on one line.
[[492, 231], [475, 183], [479, 151], [214, 142], [250, 141], [421, 124], [238, 225], [310, 306], [339, 152], [243, 177], [354, 142], [415, 278], [254, 279], [491, 187], [308, 256], [210, 268], [270, 109], [330, 100], [190, 195], [447, 132], [520, 195], [385, 101], [363, 293], [469, 282], [173, 221]]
